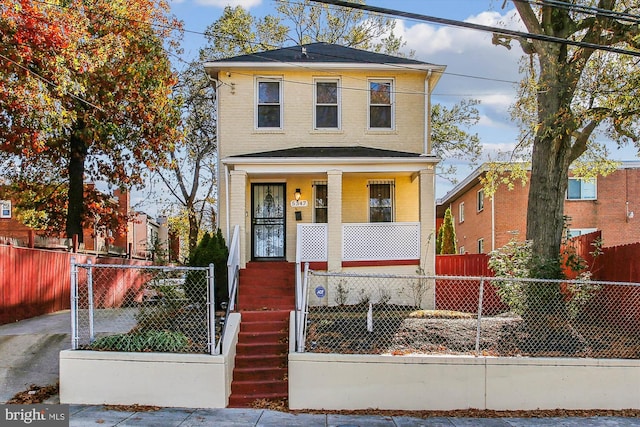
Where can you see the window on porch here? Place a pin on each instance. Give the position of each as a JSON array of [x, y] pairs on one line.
[[320, 202], [381, 201]]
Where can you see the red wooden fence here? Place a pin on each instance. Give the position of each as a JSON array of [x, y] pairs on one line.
[[35, 282], [613, 304], [463, 295]]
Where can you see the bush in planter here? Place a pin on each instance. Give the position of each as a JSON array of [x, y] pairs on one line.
[[212, 249]]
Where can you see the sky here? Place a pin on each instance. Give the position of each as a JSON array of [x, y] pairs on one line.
[[476, 69]]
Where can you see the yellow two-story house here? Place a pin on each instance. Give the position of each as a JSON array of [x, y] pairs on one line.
[[324, 156]]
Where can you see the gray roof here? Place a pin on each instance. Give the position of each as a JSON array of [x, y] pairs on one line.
[[320, 53], [306, 152]]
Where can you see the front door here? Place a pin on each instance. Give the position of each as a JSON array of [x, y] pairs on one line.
[[267, 221]]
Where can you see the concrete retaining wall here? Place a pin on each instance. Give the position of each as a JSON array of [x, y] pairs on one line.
[[331, 381], [159, 379]]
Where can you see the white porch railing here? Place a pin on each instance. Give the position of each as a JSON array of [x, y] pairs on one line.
[[361, 241], [380, 241]]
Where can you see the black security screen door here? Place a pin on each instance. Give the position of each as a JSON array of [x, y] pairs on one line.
[[267, 220]]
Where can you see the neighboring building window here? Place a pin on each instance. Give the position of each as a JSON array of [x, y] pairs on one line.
[[574, 232], [461, 212], [269, 108], [461, 250], [480, 246], [480, 201], [327, 100], [380, 104], [5, 208], [381, 201], [581, 189], [321, 202]]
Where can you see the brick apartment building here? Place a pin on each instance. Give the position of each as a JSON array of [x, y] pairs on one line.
[[483, 224]]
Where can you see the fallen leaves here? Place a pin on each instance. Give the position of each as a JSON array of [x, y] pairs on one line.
[[35, 394]]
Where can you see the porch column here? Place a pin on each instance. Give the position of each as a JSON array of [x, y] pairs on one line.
[[428, 221], [334, 219], [238, 210]]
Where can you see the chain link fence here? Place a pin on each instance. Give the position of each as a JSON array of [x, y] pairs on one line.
[[405, 314], [143, 308]]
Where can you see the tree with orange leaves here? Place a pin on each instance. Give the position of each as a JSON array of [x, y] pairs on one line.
[[87, 95]]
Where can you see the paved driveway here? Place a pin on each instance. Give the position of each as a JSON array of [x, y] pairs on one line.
[[29, 352]]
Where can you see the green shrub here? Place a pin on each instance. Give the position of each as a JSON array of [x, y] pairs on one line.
[[210, 250], [146, 341]]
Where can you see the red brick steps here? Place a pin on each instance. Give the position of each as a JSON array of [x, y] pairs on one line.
[[266, 296]]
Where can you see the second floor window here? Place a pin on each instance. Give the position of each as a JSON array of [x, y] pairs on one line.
[[269, 108], [5, 209], [380, 104], [381, 201], [461, 212], [480, 207], [327, 113], [581, 189]]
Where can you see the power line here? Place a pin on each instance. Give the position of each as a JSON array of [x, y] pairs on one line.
[[49, 82], [479, 27], [591, 10]]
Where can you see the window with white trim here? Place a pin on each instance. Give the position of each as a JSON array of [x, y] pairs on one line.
[[381, 104], [461, 212], [5, 208], [327, 104], [381, 201], [581, 189], [461, 251], [480, 204], [320, 204], [480, 246], [269, 103]]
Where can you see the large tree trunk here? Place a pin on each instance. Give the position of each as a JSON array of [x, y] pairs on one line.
[[76, 209], [548, 185]]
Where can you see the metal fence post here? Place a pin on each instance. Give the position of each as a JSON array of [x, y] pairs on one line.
[[74, 304], [90, 298], [211, 309], [304, 311], [480, 298]]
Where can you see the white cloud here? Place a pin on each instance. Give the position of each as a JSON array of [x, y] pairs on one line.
[[222, 3], [476, 68]]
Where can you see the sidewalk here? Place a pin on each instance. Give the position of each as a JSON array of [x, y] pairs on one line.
[[82, 416]]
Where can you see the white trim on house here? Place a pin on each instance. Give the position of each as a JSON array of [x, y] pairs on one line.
[[322, 164]]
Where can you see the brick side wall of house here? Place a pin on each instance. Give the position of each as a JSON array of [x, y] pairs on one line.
[[510, 214], [14, 229], [476, 224], [608, 213]]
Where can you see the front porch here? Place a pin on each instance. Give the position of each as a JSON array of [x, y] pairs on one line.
[[342, 206]]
